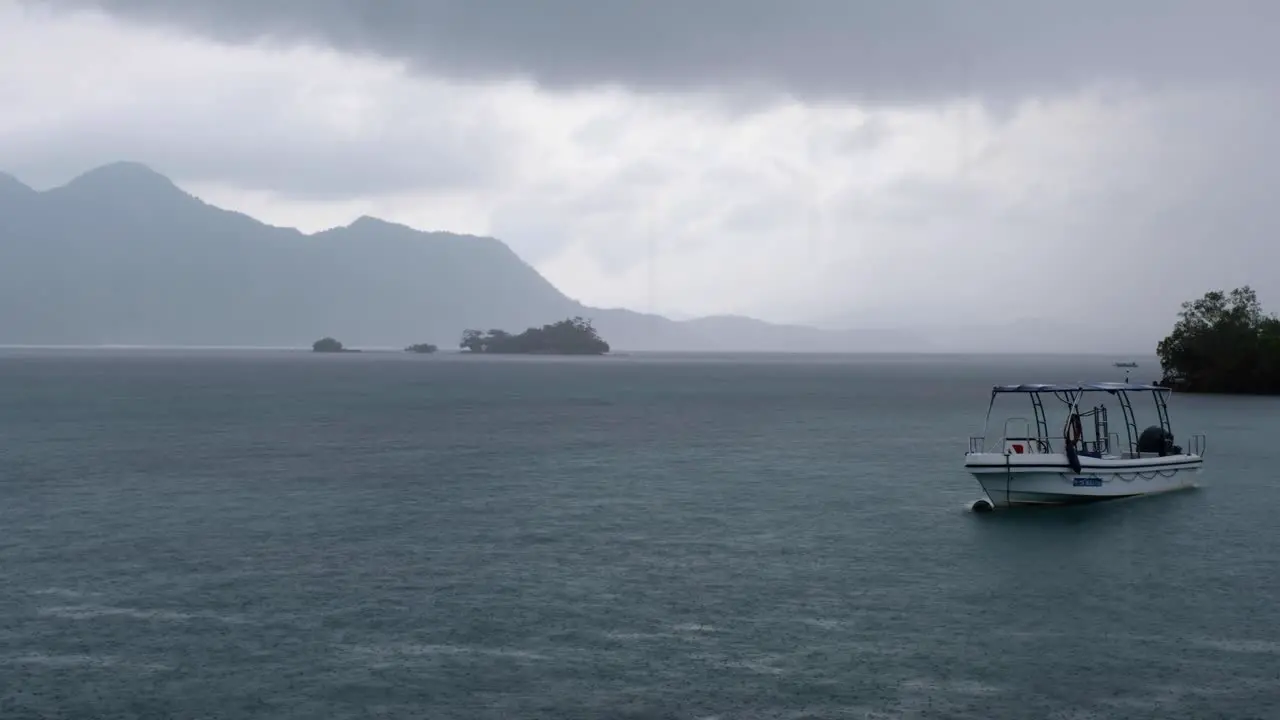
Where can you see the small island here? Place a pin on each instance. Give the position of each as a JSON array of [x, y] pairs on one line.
[[422, 348], [574, 336], [329, 345], [1223, 343]]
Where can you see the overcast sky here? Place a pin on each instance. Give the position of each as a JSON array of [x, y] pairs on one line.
[[801, 160]]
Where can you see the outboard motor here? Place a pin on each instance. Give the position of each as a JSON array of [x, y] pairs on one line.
[[1156, 439]]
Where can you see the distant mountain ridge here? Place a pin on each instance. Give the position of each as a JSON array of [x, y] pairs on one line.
[[123, 256], [13, 186]]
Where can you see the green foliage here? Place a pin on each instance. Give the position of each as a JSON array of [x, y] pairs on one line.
[[574, 336], [1223, 343], [422, 348], [327, 344]]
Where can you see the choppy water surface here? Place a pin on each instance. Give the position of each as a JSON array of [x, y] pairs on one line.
[[282, 535]]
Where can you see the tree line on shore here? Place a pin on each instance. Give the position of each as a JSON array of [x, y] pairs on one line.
[[1223, 342], [572, 336]]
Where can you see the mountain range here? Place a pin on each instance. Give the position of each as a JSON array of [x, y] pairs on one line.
[[123, 256]]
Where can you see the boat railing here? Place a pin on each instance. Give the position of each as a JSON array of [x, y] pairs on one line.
[[1101, 447], [1018, 438], [1016, 445], [1196, 444]]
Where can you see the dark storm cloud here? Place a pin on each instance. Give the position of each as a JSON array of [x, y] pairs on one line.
[[891, 50]]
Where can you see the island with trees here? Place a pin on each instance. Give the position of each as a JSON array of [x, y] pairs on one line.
[[329, 345], [1223, 343], [422, 348], [574, 336]]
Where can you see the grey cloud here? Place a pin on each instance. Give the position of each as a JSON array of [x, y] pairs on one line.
[[536, 234], [904, 51], [1190, 211], [421, 148], [298, 171]]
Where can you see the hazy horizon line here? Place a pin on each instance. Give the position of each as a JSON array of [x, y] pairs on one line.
[[127, 347]]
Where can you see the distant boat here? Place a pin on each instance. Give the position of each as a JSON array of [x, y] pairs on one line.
[[1126, 364]]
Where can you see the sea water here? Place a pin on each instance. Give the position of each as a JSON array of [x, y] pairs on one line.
[[245, 534]]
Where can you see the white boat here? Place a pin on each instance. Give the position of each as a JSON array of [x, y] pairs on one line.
[[1025, 466]]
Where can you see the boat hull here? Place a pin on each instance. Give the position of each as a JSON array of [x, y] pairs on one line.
[[1050, 479]]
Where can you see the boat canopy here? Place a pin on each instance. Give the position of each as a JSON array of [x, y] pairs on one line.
[[1079, 387]]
